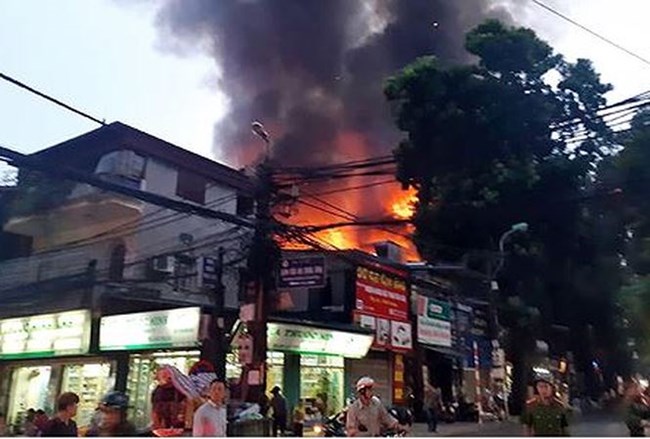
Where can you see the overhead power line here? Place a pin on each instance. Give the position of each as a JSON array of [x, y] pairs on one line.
[[594, 33], [47, 97]]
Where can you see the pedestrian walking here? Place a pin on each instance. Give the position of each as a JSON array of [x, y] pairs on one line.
[[210, 420], [545, 415], [432, 405], [637, 410], [279, 407], [62, 424]]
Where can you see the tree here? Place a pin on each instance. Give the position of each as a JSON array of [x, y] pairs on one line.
[[496, 143]]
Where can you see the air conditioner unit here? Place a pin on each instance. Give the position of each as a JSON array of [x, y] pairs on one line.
[[163, 264]]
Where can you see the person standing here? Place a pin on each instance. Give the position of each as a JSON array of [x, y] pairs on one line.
[[210, 420], [113, 417], [637, 410], [279, 406], [62, 424], [431, 407], [545, 415]]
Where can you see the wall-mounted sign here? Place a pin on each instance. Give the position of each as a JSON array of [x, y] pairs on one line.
[[45, 335], [381, 295], [150, 330], [434, 326], [308, 340], [302, 272], [208, 273], [382, 304], [401, 335]]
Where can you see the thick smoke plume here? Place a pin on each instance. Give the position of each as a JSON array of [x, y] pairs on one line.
[[312, 70]]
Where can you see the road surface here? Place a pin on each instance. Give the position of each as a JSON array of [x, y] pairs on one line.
[[599, 425]]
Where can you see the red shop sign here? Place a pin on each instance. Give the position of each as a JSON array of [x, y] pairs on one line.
[[381, 295]]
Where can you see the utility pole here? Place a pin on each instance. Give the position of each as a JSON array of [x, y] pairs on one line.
[[215, 346], [262, 264]]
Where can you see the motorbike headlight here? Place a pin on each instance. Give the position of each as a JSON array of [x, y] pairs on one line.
[[318, 429]]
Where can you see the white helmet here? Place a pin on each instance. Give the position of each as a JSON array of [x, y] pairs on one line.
[[365, 383]]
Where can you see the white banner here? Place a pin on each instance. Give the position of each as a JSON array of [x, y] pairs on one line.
[[434, 332]]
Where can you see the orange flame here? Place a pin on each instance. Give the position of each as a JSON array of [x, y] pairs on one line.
[[404, 205], [343, 205]]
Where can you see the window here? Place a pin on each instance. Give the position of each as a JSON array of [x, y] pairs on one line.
[[245, 205], [191, 186], [116, 266]]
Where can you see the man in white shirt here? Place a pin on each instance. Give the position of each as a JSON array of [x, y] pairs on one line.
[[210, 419]]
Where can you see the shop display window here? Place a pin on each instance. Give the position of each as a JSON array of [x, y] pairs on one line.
[[321, 385], [31, 387], [90, 381]]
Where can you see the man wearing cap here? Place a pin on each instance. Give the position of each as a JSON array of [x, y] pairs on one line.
[[545, 415], [367, 416]]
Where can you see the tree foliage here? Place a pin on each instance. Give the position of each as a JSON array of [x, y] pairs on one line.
[[515, 137]]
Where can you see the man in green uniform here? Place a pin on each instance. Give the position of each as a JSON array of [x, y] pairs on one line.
[[545, 415]]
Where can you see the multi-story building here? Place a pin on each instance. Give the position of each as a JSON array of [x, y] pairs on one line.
[[98, 288]]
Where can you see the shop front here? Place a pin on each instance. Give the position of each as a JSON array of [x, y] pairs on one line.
[[308, 362], [382, 306], [44, 355], [147, 341], [436, 336]]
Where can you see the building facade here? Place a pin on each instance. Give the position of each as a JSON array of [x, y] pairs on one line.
[[98, 288]]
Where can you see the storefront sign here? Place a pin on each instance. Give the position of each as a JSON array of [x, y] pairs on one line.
[[150, 330], [381, 295], [309, 340], [398, 379], [45, 335], [434, 332], [302, 272], [434, 326], [382, 305], [401, 335]]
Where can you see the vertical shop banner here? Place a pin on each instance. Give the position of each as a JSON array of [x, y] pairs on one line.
[[382, 304], [398, 379], [434, 322], [479, 334]]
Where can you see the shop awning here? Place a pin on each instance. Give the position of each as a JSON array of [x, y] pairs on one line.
[[445, 351]]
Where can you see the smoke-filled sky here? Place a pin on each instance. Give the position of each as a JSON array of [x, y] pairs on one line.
[[195, 72]]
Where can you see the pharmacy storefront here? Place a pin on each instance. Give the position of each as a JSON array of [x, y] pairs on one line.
[[151, 339], [308, 363], [44, 355]]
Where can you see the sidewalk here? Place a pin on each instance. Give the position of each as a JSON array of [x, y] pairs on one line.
[[464, 429]]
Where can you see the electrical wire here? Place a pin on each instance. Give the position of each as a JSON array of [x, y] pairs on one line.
[[49, 98], [594, 33]]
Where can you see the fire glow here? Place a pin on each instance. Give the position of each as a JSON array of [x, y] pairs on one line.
[[391, 201]]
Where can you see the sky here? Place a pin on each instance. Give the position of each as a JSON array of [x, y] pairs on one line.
[[105, 57]]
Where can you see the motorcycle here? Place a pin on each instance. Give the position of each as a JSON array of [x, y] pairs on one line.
[[334, 426]]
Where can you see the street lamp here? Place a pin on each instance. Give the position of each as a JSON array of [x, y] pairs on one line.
[[260, 131], [515, 228]]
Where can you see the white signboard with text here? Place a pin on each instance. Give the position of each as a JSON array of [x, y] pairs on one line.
[[45, 335], [172, 328], [310, 340]]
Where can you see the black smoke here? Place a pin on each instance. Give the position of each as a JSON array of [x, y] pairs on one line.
[[312, 69]]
